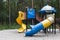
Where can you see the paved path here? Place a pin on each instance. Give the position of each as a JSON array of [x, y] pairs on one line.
[[12, 34]]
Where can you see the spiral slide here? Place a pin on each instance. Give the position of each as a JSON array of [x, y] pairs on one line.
[[19, 21], [40, 26]]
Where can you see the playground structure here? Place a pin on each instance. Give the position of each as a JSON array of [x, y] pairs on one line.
[[22, 16], [49, 19], [40, 26], [49, 11]]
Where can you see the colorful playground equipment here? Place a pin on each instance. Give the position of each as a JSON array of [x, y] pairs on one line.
[[40, 26], [22, 16], [49, 19], [20, 22], [49, 13]]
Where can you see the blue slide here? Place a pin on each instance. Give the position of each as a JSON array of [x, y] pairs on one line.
[[35, 29], [40, 26]]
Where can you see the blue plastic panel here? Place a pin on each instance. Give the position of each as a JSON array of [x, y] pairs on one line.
[[30, 13]]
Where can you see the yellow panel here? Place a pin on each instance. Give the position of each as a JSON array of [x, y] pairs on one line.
[[46, 23], [21, 15], [18, 21], [20, 30], [23, 26]]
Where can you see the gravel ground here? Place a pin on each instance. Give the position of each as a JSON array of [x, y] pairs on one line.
[[12, 34]]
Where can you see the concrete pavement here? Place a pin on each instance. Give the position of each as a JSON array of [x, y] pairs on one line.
[[12, 34]]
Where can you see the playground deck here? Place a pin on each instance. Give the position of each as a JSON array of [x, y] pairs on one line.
[[12, 34]]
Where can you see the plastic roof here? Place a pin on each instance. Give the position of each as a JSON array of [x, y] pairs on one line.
[[47, 8]]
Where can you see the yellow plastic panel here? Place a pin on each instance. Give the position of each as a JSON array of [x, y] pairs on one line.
[[20, 30], [21, 15], [24, 26], [46, 23]]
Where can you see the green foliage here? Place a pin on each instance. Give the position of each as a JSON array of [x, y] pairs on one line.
[[7, 26], [11, 7]]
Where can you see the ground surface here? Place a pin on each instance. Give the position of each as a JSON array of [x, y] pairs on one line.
[[14, 35]]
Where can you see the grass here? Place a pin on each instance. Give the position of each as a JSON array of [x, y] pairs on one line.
[[12, 26], [7, 26]]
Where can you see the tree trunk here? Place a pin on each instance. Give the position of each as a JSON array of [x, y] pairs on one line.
[[9, 11]]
